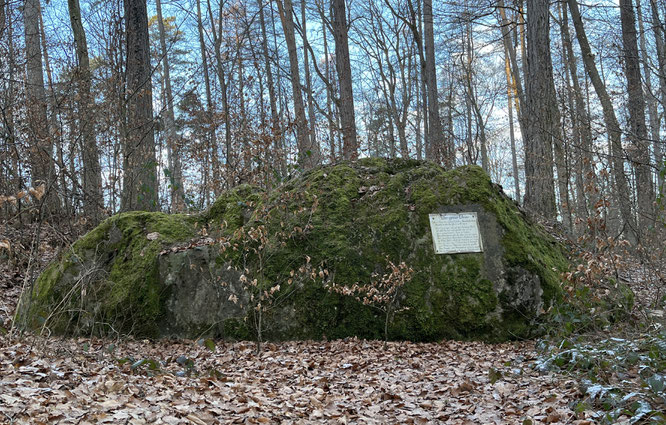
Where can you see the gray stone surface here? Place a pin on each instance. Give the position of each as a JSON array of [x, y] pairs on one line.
[[197, 292]]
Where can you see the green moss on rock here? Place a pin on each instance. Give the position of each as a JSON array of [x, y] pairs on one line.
[[352, 216], [107, 281]]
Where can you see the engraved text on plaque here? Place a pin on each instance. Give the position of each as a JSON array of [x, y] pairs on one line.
[[456, 233]]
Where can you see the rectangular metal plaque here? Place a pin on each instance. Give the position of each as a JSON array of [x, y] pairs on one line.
[[455, 233]]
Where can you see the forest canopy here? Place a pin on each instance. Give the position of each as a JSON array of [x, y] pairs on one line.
[[125, 105]]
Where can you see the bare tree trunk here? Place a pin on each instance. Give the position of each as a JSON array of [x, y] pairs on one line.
[[539, 188], [173, 148], [515, 69], [329, 97], [308, 81], [612, 125], [3, 18], [417, 30], [212, 137], [417, 126], [279, 162], [41, 149], [381, 50], [651, 100], [449, 123], [480, 124], [640, 153], [54, 129], [657, 28], [510, 95], [243, 135], [217, 41], [140, 191], [343, 66], [582, 134], [8, 172], [307, 157], [437, 142], [92, 173]]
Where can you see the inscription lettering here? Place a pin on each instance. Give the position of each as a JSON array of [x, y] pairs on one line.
[[456, 233]]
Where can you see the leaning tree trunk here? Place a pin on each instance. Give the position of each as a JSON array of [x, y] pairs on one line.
[[586, 178], [612, 125], [139, 164]]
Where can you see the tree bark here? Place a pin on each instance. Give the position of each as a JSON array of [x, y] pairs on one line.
[[329, 96], [308, 81], [343, 66], [140, 191], [539, 187], [640, 153], [3, 18], [519, 98], [582, 132], [92, 173], [307, 156], [651, 100], [474, 104], [41, 148], [437, 143], [217, 41]]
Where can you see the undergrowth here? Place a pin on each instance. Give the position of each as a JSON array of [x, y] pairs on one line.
[[603, 337]]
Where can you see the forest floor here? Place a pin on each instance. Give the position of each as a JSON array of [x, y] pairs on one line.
[[610, 376]]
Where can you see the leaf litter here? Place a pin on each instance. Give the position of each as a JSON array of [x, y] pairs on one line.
[[89, 381]]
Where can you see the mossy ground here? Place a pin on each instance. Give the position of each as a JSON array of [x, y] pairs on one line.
[[353, 217]]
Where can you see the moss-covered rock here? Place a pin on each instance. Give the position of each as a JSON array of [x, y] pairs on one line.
[[141, 273]]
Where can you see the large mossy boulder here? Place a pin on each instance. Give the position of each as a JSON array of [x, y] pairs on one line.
[[153, 274]]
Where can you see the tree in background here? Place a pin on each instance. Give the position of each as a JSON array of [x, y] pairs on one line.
[[255, 91], [92, 173], [343, 66], [622, 189], [308, 154], [640, 150], [139, 163], [41, 146], [172, 140], [539, 97]]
